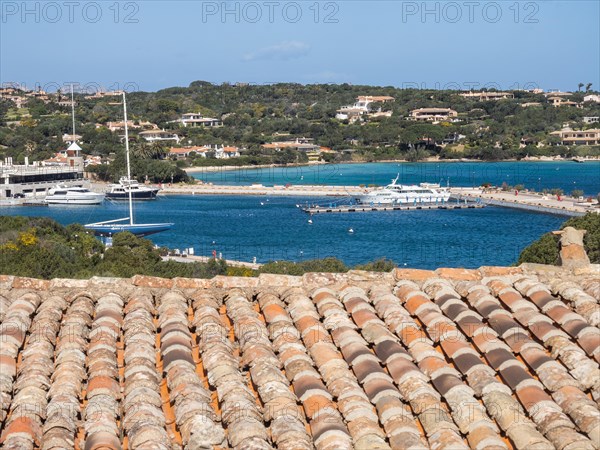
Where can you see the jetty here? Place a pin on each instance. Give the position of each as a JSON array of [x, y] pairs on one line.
[[370, 208], [525, 201], [259, 189]]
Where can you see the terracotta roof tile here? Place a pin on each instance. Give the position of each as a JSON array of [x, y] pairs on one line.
[[487, 358]]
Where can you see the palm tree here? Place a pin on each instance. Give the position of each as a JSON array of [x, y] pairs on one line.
[[588, 87], [580, 85], [158, 150], [142, 150]]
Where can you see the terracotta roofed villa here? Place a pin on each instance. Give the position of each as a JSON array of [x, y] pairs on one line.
[[492, 358]]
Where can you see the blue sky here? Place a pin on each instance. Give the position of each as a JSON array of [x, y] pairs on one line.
[[150, 45]]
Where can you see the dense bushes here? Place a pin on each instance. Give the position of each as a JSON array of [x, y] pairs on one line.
[[42, 248], [327, 265], [545, 250]]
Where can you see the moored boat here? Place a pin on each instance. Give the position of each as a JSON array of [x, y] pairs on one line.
[[73, 195], [112, 227], [125, 186], [400, 194]]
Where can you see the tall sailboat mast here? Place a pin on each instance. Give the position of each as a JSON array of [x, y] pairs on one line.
[[73, 111], [109, 228], [127, 157]]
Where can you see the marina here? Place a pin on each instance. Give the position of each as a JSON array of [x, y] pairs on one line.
[[269, 222], [274, 228], [533, 202]]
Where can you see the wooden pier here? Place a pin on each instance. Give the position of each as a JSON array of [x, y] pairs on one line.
[[370, 208]]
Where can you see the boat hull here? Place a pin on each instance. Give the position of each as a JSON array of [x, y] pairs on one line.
[[92, 200], [140, 230], [401, 200], [149, 194]]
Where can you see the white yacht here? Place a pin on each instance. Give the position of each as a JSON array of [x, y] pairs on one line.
[[400, 194], [126, 185], [73, 195]]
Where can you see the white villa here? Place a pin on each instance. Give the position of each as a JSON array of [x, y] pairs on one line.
[[560, 101], [159, 135], [184, 152], [361, 108], [433, 115], [197, 120], [220, 151], [592, 98], [226, 152], [486, 96], [578, 137]]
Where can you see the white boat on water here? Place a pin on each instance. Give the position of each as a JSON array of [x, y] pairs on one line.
[[121, 190], [73, 195], [401, 194]]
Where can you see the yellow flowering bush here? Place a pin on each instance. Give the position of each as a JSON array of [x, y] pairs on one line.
[[9, 246], [27, 238]]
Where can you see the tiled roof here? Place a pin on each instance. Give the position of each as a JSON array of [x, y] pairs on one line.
[[492, 358]]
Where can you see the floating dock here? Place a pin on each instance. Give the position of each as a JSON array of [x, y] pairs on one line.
[[370, 208]]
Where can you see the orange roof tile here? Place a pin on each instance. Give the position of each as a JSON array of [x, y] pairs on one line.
[[493, 357]]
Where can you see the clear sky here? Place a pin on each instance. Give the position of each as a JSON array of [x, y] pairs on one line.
[[150, 45]]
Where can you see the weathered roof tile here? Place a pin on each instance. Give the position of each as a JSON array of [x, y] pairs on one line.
[[411, 359]]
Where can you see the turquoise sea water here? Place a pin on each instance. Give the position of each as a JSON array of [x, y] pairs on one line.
[[566, 175], [241, 228]]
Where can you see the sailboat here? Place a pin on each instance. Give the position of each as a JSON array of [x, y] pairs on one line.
[[111, 227]]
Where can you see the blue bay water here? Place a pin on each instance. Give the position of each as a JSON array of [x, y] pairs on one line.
[[566, 175], [241, 228]]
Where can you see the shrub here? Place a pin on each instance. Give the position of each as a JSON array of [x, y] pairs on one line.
[[576, 193], [300, 268], [546, 249], [381, 265]]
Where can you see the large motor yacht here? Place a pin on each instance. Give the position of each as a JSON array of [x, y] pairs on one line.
[[73, 195], [400, 194], [121, 190]]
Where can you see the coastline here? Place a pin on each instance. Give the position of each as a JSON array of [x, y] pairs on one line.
[[534, 159]]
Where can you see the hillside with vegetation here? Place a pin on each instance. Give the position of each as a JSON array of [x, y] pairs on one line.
[[252, 115]]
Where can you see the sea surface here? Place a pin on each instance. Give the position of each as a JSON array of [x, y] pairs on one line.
[[566, 175], [275, 228]]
